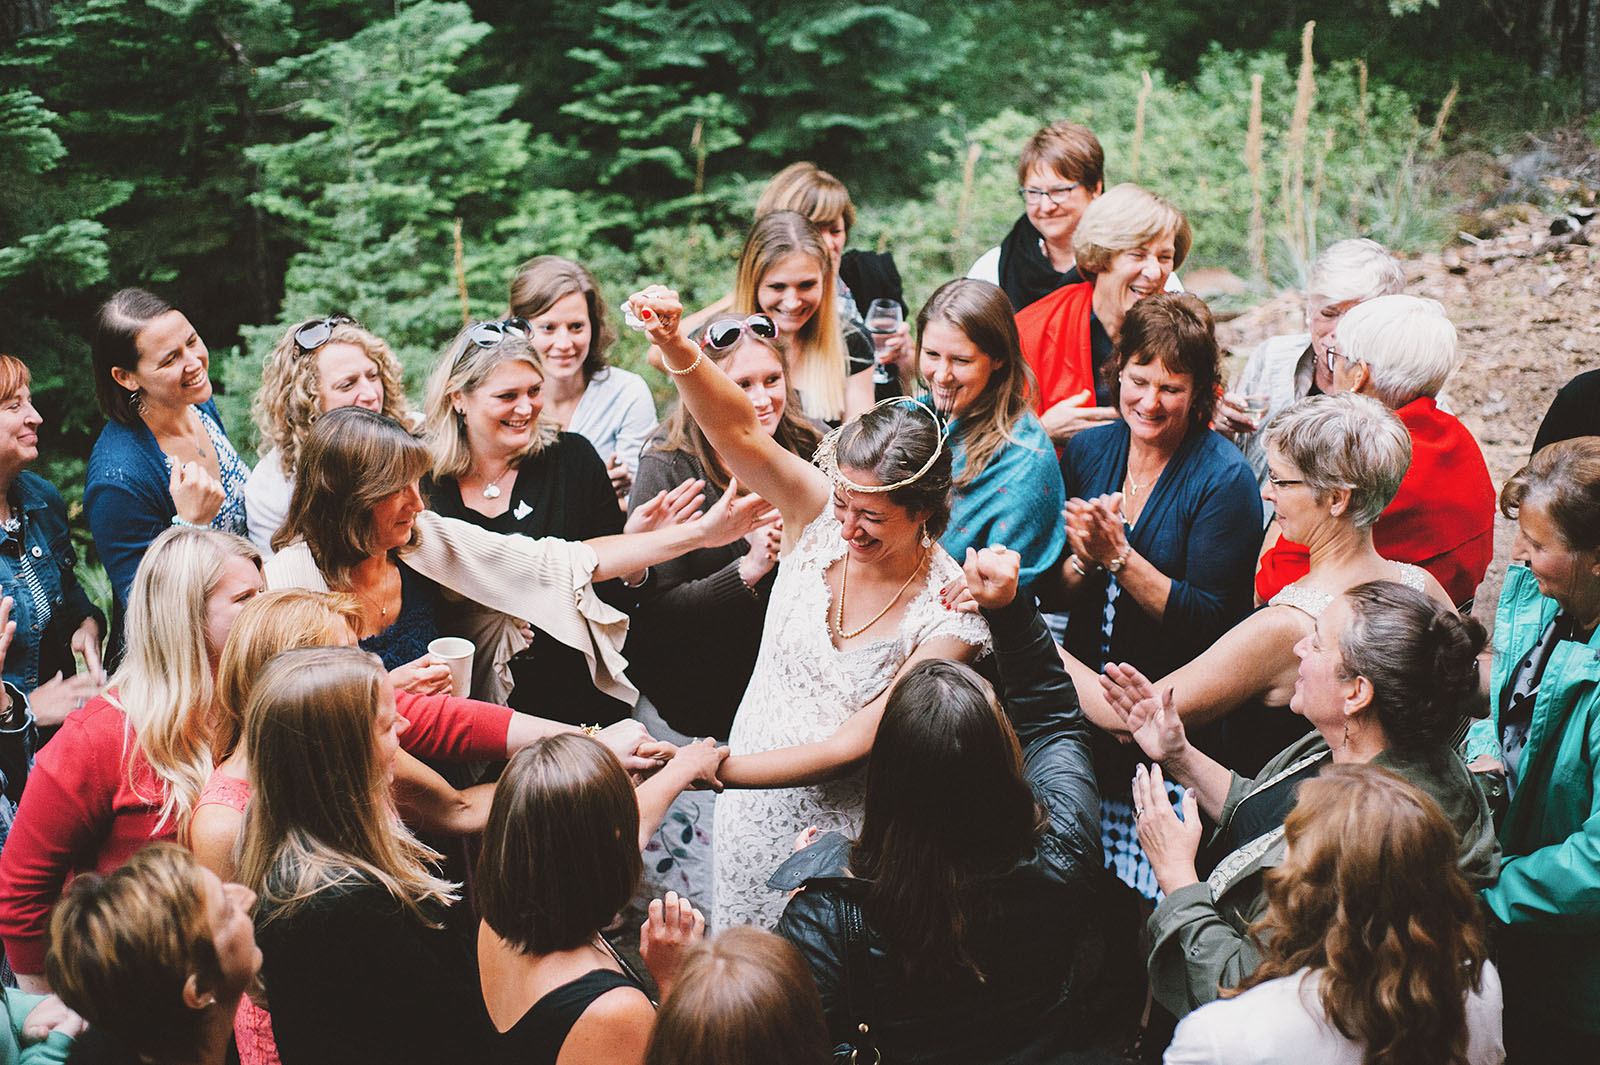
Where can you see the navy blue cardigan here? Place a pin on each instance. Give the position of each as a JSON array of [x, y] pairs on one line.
[[127, 499], [1201, 526]]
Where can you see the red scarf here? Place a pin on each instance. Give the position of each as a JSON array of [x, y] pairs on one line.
[[1441, 519], [1055, 341]]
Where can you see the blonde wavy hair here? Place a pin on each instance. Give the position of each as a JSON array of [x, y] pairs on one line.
[[464, 367], [164, 686], [816, 355], [287, 403], [273, 621], [321, 811]]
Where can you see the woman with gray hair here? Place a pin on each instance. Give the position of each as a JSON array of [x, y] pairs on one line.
[[1381, 678], [1284, 369], [1400, 350], [1334, 464]]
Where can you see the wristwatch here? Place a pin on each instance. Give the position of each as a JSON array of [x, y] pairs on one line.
[[1116, 564]]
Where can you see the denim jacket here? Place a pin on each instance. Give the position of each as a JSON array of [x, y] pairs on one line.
[[38, 651]]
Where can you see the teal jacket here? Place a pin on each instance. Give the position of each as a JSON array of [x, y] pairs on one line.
[[1548, 895], [52, 1050]]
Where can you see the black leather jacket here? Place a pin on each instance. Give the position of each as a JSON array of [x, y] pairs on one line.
[[1036, 935]]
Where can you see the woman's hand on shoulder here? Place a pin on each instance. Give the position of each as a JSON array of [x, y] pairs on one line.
[[1071, 416], [424, 676], [666, 937], [991, 576], [670, 506], [1153, 722]]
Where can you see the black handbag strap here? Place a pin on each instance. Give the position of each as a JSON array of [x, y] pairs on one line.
[[857, 982]]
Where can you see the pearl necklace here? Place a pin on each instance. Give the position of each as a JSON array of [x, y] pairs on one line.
[[844, 585]]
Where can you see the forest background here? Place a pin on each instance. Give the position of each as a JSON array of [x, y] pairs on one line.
[[259, 162]]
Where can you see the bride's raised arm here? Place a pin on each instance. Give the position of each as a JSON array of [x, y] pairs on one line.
[[797, 488]]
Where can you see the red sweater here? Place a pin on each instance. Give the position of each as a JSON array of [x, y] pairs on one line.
[[80, 811], [1055, 340], [1441, 519]]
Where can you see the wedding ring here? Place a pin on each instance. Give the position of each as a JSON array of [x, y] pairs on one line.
[[1138, 812]]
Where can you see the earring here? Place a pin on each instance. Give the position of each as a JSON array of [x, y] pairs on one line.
[[927, 541], [136, 400], [1346, 742]]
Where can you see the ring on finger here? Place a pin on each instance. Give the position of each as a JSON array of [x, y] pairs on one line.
[[1138, 812]]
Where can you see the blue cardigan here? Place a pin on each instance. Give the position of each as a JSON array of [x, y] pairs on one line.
[[1201, 526], [127, 499]]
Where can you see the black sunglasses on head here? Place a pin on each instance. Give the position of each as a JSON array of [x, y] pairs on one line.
[[315, 333], [725, 333]]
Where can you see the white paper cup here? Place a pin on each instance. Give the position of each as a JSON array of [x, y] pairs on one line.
[[457, 654]]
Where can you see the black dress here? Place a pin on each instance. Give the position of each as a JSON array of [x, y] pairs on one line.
[[564, 492], [537, 1037]]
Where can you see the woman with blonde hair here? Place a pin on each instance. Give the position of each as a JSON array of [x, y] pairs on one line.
[[317, 366], [129, 765], [357, 961], [609, 406], [156, 956], [501, 465], [1375, 946], [1127, 243], [742, 998]]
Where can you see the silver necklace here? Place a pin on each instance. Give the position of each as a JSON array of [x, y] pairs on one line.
[[492, 489]]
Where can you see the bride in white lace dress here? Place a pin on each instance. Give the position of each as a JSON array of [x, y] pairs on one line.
[[856, 603]]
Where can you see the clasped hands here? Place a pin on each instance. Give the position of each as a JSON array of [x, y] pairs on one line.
[[1169, 844], [1095, 532]]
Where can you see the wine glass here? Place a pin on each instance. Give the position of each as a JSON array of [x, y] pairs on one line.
[[883, 322]]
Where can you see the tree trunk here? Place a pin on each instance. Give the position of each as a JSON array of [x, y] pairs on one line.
[[1591, 56], [1549, 49], [21, 17]]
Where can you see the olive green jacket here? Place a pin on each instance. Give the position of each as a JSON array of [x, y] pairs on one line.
[[1198, 940]]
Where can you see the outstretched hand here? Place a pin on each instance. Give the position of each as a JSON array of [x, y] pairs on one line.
[[673, 927], [1169, 844], [1153, 722], [670, 506], [992, 575], [733, 516]]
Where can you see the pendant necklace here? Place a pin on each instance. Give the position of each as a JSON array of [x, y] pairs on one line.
[[491, 490]]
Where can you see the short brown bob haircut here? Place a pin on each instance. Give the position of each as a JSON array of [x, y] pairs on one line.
[[561, 849], [1070, 150], [352, 459], [1177, 330]]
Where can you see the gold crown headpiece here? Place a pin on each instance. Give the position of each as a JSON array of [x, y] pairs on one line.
[[827, 457]]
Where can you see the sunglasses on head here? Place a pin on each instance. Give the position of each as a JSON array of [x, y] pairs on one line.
[[725, 333], [315, 333], [488, 334]]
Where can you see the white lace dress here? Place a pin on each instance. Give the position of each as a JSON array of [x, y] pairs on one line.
[[802, 690]]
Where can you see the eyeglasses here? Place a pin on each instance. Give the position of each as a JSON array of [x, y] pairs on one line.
[[315, 333], [488, 334], [724, 334], [1057, 195], [1333, 353], [1283, 482]]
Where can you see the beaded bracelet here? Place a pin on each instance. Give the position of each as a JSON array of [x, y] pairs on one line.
[[687, 369]]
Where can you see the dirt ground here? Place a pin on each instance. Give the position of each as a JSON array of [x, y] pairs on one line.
[[1527, 325]]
